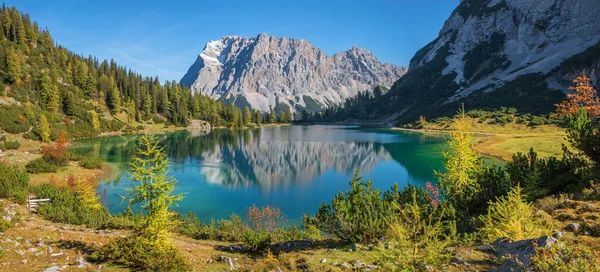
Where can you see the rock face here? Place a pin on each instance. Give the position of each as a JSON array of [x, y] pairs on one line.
[[517, 255], [493, 53], [264, 72]]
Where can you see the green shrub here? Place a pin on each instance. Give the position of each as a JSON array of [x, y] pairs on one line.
[[67, 208], [14, 119], [514, 218], [32, 135], [4, 225], [91, 163], [111, 125], [13, 183], [418, 237], [157, 120], [137, 255], [40, 165], [358, 215], [547, 176], [10, 145], [231, 230], [537, 121], [583, 132], [257, 240], [566, 256]]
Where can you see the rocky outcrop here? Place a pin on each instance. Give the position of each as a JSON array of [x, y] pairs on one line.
[[265, 71], [491, 53], [516, 255]]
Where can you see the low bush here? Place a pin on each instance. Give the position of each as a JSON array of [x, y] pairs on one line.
[[134, 253], [67, 207], [514, 218], [111, 125], [547, 176], [4, 225], [57, 154], [358, 215], [13, 183], [14, 119], [417, 237], [40, 165], [566, 256], [91, 163], [157, 120], [10, 145], [32, 135], [257, 240]]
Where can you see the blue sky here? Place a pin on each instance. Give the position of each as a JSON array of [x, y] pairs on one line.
[[164, 37]]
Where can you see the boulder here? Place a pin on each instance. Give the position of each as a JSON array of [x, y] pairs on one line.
[[573, 227], [517, 254]]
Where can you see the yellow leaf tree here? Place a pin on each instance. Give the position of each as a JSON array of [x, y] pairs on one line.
[[461, 160]]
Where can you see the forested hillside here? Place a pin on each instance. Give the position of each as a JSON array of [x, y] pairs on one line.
[[83, 95]]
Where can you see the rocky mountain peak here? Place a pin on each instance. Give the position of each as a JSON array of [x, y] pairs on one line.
[[266, 72]]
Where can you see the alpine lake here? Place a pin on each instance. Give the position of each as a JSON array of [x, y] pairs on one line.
[[294, 168]]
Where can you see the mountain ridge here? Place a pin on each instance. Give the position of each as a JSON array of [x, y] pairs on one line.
[[283, 73], [493, 53]]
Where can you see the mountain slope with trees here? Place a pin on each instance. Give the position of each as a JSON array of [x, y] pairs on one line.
[[41, 82]]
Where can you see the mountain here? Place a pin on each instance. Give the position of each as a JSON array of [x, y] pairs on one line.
[[282, 73], [492, 53]]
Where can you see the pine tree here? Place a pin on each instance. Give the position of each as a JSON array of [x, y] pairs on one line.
[[44, 128], [289, 116], [272, 117], [21, 37], [247, 116], [282, 118], [113, 101], [154, 192], [257, 118], [49, 96]]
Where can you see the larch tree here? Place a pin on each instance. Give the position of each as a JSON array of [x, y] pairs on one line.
[[44, 128], [461, 161], [131, 112], [86, 194], [95, 122], [154, 192]]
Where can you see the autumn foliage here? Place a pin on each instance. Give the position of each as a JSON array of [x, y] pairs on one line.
[[584, 96], [266, 219], [57, 154]]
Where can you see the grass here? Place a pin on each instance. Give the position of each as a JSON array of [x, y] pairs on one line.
[[503, 147], [503, 140]]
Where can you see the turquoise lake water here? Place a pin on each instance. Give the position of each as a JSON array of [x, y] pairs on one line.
[[295, 168]]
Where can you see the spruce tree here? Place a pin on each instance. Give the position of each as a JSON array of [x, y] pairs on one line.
[[272, 116], [247, 116]]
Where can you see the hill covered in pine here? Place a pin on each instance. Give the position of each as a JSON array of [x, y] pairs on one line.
[[86, 96]]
